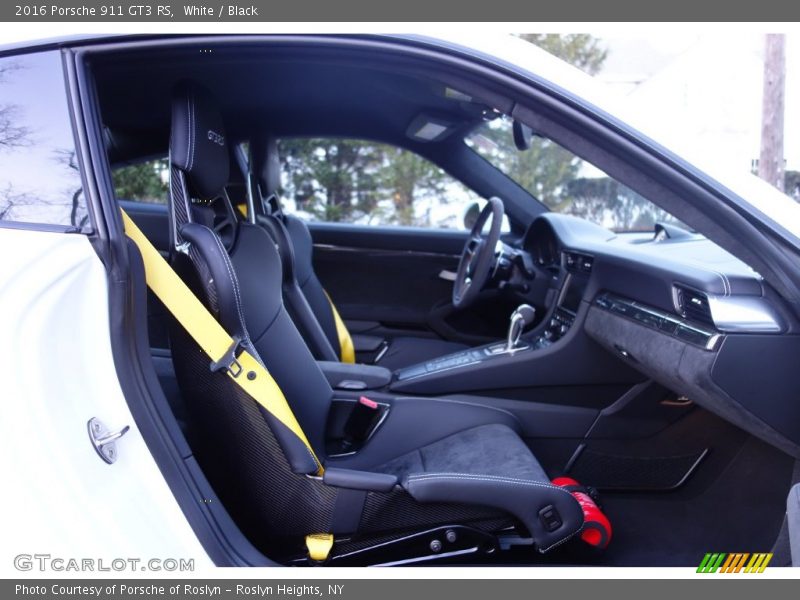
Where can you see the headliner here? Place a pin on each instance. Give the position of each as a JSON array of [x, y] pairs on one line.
[[296, 94]]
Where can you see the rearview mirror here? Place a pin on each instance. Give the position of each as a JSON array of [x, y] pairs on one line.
[[522, 136]]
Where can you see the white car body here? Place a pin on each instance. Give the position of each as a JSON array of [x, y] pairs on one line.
[[60, 498]]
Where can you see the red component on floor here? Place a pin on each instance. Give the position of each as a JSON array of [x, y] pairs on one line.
[[596, 527]]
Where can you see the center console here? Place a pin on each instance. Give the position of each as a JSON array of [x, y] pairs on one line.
[[563, 317], [578, 267]]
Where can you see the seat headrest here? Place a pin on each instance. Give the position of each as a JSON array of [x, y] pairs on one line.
[[198, 145], [267, 164]]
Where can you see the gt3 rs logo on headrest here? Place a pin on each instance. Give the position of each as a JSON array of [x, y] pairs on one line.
[[216, 137]]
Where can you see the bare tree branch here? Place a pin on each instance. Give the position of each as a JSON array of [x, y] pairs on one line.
[[12, 135]]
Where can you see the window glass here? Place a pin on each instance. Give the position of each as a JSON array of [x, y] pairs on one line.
[[564, 182], [146, 181], [367, 183], [39, 175]]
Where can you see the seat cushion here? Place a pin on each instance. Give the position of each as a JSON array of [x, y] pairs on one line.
[[482, 450], [405, 351], [490, 466]]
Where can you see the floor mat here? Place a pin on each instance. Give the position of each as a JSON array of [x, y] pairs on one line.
[[734, 502], [741, 511], [634, 473]]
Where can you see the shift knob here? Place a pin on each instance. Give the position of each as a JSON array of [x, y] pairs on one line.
[[526, 312], [520, 318]]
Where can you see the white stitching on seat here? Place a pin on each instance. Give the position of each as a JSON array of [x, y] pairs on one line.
[[188, 127], [192, 123], [563, 540], [491, 478], [234, 282]]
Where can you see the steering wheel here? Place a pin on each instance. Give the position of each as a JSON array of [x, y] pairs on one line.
[[478, 255]]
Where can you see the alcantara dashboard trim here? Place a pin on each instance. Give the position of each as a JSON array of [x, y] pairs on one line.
[[650, 317]]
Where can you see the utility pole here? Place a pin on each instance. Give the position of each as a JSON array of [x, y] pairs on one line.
[[770, 161]]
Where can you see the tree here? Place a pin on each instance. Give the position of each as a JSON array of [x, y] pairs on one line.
[[329, 178], [356, 180], [145, 182], [12, 136], [78, 216], [406, 176], [578, 49], [552, 173], [600, 199], [792, 184], [11, 199]]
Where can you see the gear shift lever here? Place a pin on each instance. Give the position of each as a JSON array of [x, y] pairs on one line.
[[520, 319]]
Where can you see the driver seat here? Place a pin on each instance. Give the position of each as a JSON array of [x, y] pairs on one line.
[[447, 464], [311, 308]]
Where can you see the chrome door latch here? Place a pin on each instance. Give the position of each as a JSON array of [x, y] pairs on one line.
[[105, 441]]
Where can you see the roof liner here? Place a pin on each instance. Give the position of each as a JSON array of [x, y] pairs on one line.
[[294, 93]]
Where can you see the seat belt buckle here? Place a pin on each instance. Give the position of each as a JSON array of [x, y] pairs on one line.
[[227, 362], [319, 547]]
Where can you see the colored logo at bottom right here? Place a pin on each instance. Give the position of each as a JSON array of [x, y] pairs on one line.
[[736, 562]]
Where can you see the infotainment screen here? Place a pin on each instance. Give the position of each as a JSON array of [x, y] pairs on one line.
[[571, 297]]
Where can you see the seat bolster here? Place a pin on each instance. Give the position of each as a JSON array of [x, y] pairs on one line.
[[223, 277], [523, 498], [306, 321]]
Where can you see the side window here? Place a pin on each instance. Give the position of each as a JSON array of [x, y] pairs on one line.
[[146, 181], [40, 181], [367, 183]]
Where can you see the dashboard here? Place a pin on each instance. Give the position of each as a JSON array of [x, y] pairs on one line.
[[667, 306], [680, 310]]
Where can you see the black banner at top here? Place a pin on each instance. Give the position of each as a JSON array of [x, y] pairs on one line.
[[255, 11]]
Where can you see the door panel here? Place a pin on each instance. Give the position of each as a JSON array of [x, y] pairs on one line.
[[396, 288], [391, 277]]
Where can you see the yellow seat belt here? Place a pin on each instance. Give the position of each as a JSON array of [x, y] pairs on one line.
[[201, 325], [347, 351]]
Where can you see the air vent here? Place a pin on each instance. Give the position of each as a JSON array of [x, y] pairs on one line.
[[693, 305]]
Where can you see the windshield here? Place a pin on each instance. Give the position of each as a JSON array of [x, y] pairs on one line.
[[564, 182]]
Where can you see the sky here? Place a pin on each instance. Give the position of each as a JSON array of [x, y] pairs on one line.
[[710, 81]]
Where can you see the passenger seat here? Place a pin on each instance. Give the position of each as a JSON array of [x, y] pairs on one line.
[[457, 466], [313, 311]]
